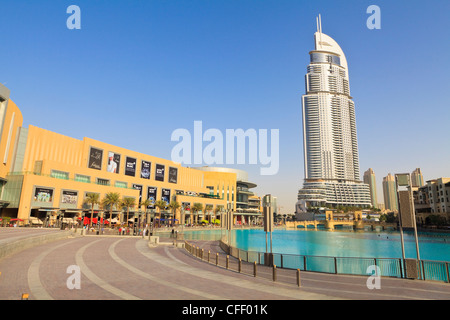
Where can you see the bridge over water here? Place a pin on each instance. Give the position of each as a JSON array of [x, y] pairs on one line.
[[330, 222]]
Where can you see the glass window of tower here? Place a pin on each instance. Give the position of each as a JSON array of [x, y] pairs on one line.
[[324, 57]]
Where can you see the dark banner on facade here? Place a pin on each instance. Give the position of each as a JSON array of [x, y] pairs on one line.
[[95, 159], [145, 169], [43, 195], [113, 162], [151, 195], [69, 197], [130, 166], [173, 175], [138, 187], [159, 172], [165, 195]]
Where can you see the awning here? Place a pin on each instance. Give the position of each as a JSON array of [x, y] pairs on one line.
[[46, 209], [72, 210], [34, 220]]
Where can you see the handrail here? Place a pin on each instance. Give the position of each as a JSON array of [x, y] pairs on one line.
[[387, 267]]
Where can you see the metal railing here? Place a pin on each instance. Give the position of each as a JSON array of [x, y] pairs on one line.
[[386, 267]]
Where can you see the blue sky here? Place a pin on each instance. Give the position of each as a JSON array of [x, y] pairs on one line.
[[138, 70]]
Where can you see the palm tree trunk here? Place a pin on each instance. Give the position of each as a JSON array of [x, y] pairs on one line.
[[159, 217], [92, 215]]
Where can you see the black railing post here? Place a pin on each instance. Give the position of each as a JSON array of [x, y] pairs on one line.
[[274, 273], [335, 265]]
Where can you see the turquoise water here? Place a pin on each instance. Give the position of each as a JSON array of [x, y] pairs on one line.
[[372, 244]]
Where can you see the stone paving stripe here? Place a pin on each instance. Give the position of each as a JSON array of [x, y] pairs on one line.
[[245, 284], [155, 279], [97, 280], [34, 280]]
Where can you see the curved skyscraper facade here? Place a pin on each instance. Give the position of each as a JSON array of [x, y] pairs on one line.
[[329, 130]]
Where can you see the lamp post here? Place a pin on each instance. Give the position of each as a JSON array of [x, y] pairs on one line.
[[268, 225], [229, 221], [406, 212]]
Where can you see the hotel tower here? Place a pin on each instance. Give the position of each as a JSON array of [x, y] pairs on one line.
[[329, 130]]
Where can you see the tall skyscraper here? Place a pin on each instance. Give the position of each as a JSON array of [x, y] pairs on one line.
[[390, 193], [417, 178], [369, 178], [329, 130]]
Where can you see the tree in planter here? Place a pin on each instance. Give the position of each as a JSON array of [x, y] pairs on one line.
[[145, 204], [128, 203], [112, 199], [92, 199], [217, 211], [197, 207], [208, 209], [160, 204], [174, 205]]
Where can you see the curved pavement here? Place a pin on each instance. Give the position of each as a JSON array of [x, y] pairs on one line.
[[126, 268]]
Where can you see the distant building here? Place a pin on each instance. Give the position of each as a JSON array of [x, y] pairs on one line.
[[390, 193], [439, 195], [432, 199], [369, 178], [275, 206], [417, 178]]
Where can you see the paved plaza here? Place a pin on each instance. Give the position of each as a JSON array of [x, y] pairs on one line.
[[127, 268]]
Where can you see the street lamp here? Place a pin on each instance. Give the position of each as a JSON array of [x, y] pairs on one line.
[[229, 221], [268, 225], [406, 212]]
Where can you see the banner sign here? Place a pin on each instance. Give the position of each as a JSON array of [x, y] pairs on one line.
[[95, 159], [130, 166], [165, 195], [159, 172], [138, 187], [151, 195], [173, 174], [43, 195], [113, 162], [145, 169], [69, 197]]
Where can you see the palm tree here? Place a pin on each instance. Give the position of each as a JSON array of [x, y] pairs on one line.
[[217, 211], [128, 203], [208, 209], [160, 204], [174, 205], [112, 199], [92, 199], [145, 204], [197, 207]]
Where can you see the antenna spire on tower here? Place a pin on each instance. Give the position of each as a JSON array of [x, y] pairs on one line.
[[320, 24], [319, 28]]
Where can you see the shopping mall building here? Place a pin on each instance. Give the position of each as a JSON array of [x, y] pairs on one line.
[[45, 177]]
